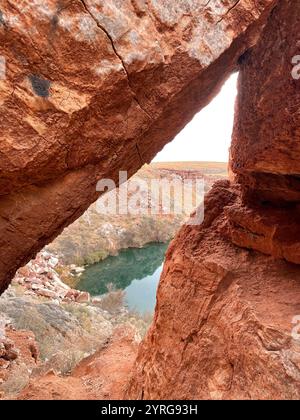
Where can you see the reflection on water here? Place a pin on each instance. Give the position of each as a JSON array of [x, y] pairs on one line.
[[141, 294], [137, 271]]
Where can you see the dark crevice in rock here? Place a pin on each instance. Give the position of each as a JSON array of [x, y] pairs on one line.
[[139, 153], [40, 85], [229, 11]]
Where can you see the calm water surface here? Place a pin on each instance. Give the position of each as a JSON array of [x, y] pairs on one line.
[[137, 271]]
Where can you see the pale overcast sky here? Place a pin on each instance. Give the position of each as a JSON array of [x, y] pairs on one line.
[[208, 136]]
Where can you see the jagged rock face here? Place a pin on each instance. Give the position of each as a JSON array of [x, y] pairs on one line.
[[224, 319], [266, 139], [223, 327], [265, 152], [93, 87]]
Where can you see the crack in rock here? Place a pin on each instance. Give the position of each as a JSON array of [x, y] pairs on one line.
[[103, 29]]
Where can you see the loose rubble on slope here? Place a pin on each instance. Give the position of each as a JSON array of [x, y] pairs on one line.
[[40, 277]]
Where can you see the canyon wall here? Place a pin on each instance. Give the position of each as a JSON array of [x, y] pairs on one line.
[[227, 315], [88, 88]]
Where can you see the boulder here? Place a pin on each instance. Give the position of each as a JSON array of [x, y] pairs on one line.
[[46, 293], [83, 297]]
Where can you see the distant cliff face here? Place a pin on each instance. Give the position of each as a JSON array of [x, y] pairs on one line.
[[88, 88]]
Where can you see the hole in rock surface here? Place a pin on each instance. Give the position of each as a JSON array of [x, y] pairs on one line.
[[208, 136], [104, 269]]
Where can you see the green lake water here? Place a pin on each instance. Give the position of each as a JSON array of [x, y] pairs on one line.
[[136, 271]]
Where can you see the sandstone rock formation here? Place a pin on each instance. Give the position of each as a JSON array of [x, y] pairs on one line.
[[229, 294], [266, 141], [224, 319], [93, 87], [266, 148]]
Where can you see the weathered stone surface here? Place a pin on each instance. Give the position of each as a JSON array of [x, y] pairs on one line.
[[94, 87], [224, 324], [270, 230], [224, 319], [266, 140], [265, 154], [91, 88]]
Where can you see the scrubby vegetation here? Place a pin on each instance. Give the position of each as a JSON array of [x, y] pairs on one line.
[[66, 333]]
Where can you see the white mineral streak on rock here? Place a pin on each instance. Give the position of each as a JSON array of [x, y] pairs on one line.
[[107, 67], [109, 15], [170, 13], [208, 44], [81, 26], [66, 22], [132, 45], [37, 9]]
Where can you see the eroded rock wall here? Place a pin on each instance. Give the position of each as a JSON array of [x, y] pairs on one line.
[[223, 321], [265, 153], [91, 87], [228, 299]]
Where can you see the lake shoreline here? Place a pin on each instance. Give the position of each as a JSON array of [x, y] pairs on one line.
[[134, 270]]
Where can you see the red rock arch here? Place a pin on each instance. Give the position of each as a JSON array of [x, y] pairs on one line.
[[91, 89]]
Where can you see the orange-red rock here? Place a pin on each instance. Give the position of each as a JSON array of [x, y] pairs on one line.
[[227, 319], [271, 230], [265, 153], [101, 376], [19, 355], [224, 319], [91, 88], [266, 140]]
